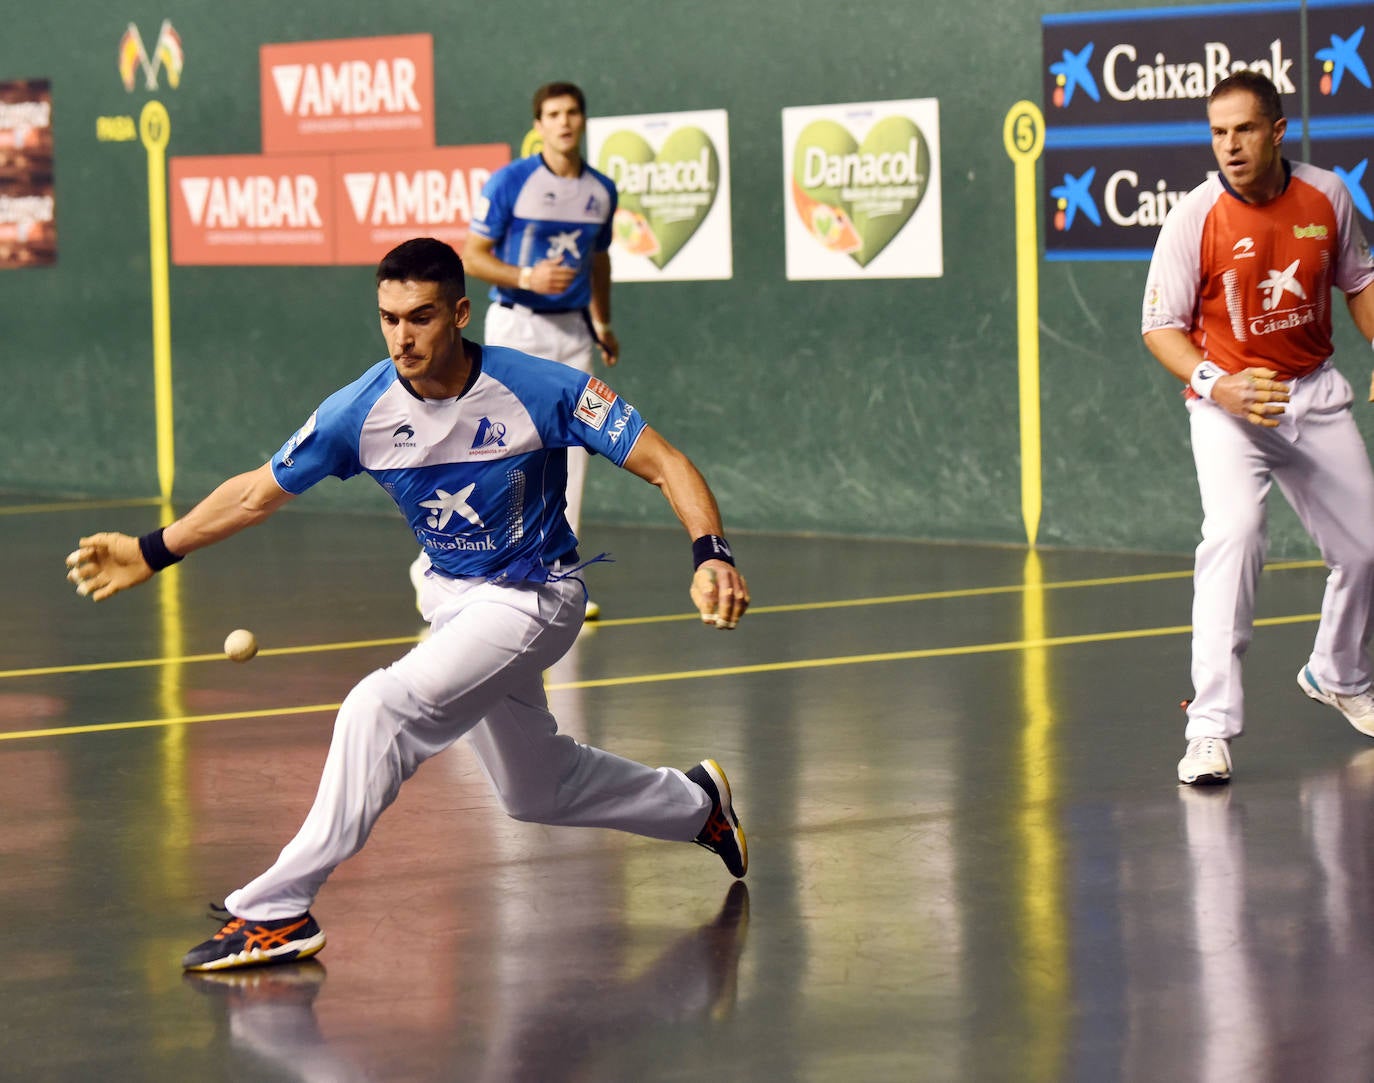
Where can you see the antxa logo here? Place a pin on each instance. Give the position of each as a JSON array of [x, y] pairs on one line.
[[166, 54]]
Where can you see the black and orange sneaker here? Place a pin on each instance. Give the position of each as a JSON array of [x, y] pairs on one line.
[[251, 943], [722, 833]]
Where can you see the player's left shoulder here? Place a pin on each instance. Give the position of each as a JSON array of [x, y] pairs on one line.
[[596, 177], [1313, 184]]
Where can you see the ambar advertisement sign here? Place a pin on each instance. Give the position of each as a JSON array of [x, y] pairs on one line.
[[252, 209], [384, 198], [348, 94]]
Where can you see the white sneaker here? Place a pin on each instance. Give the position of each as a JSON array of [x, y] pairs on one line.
[[1358, 707], [1208, 759]]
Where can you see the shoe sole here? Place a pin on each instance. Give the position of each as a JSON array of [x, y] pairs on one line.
[[286, 953], [727, 808], [1206, 778]]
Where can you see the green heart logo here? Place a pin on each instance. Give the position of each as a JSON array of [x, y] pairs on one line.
[[855, 197], [664, 195]]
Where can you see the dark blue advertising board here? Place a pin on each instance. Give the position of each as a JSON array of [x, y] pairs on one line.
[[1126, 130]]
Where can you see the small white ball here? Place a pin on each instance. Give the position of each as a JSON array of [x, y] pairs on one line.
[[240, 645]]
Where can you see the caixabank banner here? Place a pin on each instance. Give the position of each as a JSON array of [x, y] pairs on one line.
[[672, 177], [1125, 92]]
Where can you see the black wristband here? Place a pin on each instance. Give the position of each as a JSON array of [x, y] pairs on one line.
[[155, 550], [711, 547]]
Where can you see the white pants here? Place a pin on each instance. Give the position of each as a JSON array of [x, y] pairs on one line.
[[1318, 459], [480, 671], [561, 336]]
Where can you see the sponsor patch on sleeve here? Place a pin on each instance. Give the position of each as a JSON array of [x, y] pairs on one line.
[[301, 434], [594, 404]]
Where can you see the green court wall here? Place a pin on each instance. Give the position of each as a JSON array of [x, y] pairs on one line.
[[873, 408]]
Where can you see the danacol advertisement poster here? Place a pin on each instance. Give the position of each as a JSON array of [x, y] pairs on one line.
[[861, 190], [672, 175]]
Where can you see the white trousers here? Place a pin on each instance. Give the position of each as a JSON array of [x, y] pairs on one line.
[[480, 671], [561, 336], [1318, 459]]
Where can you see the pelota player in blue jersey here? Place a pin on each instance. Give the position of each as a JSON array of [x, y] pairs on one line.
[[541, 235], [471, 444]]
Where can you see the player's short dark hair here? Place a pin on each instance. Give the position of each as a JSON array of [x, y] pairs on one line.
[[1256, 83], [558, 90], [423, 259]]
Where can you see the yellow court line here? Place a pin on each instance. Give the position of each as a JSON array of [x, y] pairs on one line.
[[754, 611], [697, 674], [962, 592], [144, 663], [80, 505]]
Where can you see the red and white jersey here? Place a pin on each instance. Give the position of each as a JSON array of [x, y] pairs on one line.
[[1251, 285]]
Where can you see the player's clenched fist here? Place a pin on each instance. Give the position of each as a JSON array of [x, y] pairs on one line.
[[720, 594], [105, 564]]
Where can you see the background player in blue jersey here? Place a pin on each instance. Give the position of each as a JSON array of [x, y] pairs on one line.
[[470, 442], [541, 235]]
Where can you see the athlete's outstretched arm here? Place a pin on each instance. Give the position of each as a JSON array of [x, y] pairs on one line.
[[718, 590], [104, 564]]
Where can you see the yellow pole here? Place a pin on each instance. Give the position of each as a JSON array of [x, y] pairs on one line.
[[1023, 135], [155, 128]]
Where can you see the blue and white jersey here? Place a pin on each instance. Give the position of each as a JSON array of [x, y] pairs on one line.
[[479, 478], [533, 214]]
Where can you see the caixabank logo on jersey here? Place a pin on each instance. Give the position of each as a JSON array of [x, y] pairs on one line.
[[672, 177]]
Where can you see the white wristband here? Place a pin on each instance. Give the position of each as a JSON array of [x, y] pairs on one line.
[[526, 277], [599, 327], [1205, 378]]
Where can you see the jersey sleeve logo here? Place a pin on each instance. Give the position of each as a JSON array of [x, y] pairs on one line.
[[299, 438], [595, 404]]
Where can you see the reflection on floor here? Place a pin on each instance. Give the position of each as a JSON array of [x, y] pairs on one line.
[[970, 859]]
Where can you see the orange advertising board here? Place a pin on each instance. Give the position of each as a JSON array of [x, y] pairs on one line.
[[384, 199], [348, 94], [252, 209]]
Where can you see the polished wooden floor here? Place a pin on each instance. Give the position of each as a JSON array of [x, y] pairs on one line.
[[970, 859]]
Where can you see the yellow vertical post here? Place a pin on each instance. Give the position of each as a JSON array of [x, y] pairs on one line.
[[1023, 135], [155, 129]]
